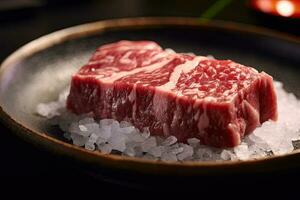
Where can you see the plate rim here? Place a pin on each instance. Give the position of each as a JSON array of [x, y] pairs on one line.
[[92, 28]]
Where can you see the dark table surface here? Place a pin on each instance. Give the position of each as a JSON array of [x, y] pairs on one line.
[[22, 161]]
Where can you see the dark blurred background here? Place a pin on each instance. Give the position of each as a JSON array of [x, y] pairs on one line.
[[24, 20]]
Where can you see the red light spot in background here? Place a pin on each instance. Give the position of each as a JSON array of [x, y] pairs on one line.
[[284, 8]]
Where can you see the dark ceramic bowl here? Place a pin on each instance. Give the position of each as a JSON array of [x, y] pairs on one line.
[[39, 70]]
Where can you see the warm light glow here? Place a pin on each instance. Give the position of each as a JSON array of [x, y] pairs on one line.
[[285, 8], [265, 5]]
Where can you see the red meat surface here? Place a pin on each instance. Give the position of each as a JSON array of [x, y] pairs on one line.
[[217, 101]]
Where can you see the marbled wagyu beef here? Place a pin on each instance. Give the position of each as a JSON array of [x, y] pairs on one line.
[[217, 101]]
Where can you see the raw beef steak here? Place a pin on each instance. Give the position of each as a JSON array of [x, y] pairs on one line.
[[217, 101]]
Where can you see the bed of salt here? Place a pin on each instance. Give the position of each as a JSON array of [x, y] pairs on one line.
[[111, 136]]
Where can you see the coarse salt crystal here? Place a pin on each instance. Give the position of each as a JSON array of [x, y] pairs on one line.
[[169, 141], [148, 144]]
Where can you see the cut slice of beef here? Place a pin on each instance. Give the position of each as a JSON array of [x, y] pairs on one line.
[[217, 101]]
